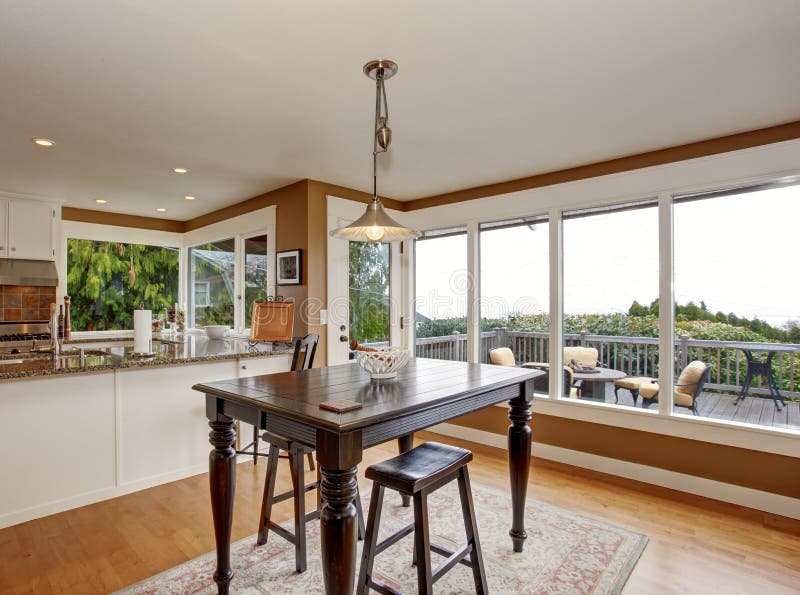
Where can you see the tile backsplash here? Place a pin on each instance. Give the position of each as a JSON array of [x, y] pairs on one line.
[[25, 302]]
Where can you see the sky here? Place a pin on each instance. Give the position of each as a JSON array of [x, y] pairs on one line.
[[735, 253]]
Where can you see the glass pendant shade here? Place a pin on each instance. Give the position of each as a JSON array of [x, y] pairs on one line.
[[375, 226]]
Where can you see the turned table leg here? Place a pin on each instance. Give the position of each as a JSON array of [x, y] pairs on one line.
[[222, 479], [519, 460], [337, 456]]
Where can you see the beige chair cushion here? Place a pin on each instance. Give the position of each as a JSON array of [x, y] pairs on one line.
[[587, 356], [649, 391], [632, 382], [502, 356], [690, 376]]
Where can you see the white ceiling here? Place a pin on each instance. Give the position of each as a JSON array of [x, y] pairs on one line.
[[254, 94]]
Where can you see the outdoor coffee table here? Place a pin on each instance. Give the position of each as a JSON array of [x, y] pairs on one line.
[[594, 382]]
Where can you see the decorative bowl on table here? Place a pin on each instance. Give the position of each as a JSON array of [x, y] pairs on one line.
[[217, 331], [382, 362]]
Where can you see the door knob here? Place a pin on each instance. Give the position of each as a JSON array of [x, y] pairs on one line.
[[343, 338]]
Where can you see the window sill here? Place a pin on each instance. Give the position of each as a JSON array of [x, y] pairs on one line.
[[774, 440]]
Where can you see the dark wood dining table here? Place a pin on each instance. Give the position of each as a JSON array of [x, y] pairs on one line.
[[425, 393]]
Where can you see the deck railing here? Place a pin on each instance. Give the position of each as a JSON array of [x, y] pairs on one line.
[[636, 356]]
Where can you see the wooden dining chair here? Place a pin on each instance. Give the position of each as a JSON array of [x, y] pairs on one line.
[[303, 359]]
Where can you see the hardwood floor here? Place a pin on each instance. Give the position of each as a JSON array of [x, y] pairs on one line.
[[696, 545]]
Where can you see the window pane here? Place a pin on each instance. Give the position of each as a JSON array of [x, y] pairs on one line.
[[211, 283], [736, 298], [255, 273], [369, 292], [611, 303], [441, 300], [107, 281], [515, 291]]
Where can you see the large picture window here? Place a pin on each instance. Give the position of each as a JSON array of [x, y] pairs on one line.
[[107, 281], [515, 289], [440, 306], [611, 302], [737, 318]]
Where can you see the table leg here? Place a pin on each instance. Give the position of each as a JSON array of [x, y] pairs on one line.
[[222, 479], [404, 444], [519, 461], [748, 376], [337, 456], [772, 383]]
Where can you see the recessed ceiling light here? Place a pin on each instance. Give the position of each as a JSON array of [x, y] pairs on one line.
[[180, 170], [100, 201], [44, 142], [189, 197], [161, 210]]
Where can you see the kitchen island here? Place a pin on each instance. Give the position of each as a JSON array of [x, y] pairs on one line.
[[98, 422]]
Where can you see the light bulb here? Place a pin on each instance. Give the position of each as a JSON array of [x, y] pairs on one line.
[[375, 233]]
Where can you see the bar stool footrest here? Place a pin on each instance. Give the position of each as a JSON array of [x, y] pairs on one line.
[[392, 539], [455, 558], [447, 553], [382, 587]]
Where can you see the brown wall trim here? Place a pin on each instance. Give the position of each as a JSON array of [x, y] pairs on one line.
[[704, 148], [252, 204], [754, 469], [121, 220], [356, 195]]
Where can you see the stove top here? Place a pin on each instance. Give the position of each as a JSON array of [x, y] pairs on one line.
[[23, 337], [16, 337]]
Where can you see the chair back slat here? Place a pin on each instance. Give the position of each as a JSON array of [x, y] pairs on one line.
[[304, 348]]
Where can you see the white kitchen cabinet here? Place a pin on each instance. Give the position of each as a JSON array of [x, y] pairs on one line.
[[28, 228]]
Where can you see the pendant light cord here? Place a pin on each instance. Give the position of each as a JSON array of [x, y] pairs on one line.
[[380, 94]]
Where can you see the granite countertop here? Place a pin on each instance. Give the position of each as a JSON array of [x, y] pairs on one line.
[[88, 355]]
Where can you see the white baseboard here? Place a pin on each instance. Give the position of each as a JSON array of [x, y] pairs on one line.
[[34, 512], [709, 488]]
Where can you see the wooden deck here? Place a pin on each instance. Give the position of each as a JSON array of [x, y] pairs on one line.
[[752, 410]]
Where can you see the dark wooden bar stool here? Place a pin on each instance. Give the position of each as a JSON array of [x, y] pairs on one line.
[[418, 473], [296, 453]]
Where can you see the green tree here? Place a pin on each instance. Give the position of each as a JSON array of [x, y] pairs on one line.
[[369, 292], [107, 281]]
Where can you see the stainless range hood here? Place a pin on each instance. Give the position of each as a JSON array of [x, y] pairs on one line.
[[28, 272]]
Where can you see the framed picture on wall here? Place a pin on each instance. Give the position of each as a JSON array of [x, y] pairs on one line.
[[289, 267]]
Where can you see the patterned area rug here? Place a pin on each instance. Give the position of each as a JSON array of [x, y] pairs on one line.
[[564, 553]]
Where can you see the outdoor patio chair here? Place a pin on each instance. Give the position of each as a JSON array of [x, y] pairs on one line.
[[587, 357], [686, 391], [503, 356]]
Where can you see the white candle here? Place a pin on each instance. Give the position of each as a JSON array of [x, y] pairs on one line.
[[142, 331]]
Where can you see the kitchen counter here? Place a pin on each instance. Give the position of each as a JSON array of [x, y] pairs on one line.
[[83, 356], [138, 418]]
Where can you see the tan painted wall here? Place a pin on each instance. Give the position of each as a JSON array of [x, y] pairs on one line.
[[758, 470]]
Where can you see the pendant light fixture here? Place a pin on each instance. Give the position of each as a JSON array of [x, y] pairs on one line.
[[376, 225]]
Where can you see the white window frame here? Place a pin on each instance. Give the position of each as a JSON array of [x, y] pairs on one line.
[[260, 222], [736, 169], [243, 324], [110, 233]]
